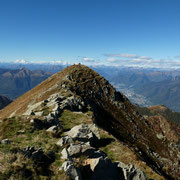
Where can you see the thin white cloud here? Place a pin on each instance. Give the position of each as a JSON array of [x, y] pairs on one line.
[[144, 62], [20, 61], [112, 60], [144, 57], [122, 55], [58, 62], [87, 59]]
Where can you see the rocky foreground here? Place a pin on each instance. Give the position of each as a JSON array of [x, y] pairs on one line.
[[54, 128]]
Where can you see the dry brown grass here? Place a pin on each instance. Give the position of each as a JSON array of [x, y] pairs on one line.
[[20, 104]]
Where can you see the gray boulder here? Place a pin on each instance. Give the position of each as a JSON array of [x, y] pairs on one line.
[[84, 133], [72, 103], [39, 113], [74, 150], [64, 154], [65, 140], [129, 172], [5, 141], [53, 129], [86, 149], [69, 168], [95, 130], [51, 120]]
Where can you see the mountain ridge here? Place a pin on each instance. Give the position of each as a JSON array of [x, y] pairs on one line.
[[112, 111]]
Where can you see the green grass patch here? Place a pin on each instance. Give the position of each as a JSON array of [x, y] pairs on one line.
[[70, 119]]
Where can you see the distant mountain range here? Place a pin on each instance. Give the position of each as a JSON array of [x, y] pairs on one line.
[[152, 87], [165, 92], [142, 86], [16, 82], [76, 125], [53, 68]]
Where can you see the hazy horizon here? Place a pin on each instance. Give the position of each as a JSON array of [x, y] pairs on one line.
[[114, 33]]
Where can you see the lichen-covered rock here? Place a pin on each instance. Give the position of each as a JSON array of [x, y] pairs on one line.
[[75, 150], [64, 154], [131, 173], [39, 156], [84, 133], [50, 120], [69, 168], [65, 140]]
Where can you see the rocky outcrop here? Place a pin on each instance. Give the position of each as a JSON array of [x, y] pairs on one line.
[[96, 164], [130, 172], [71, 170], [116, 114], [39, 156], [79, 88], [84, 133]]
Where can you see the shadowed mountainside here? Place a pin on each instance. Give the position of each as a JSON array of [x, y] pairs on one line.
[[160, 110], [112, 111], [4, 101]]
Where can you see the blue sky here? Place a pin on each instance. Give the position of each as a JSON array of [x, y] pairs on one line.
[[141, 33]]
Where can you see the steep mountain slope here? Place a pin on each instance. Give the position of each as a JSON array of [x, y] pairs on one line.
[[16, 82], [4, 101], [160, 110], [157, 87], [78, 88]]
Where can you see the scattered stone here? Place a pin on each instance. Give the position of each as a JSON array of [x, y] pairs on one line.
[[53, 129], [31, 108], [95, 130], [73, 103], [39, 156], [21, 132], [65, 140], [65, 154], [86, 149], [131, 173], [74, 150], [51, 120], [5, 141], [40, 113], [83, 133], [69, 168]]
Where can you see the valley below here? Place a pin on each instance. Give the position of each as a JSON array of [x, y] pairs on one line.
[[76, 125], [132, 95]]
